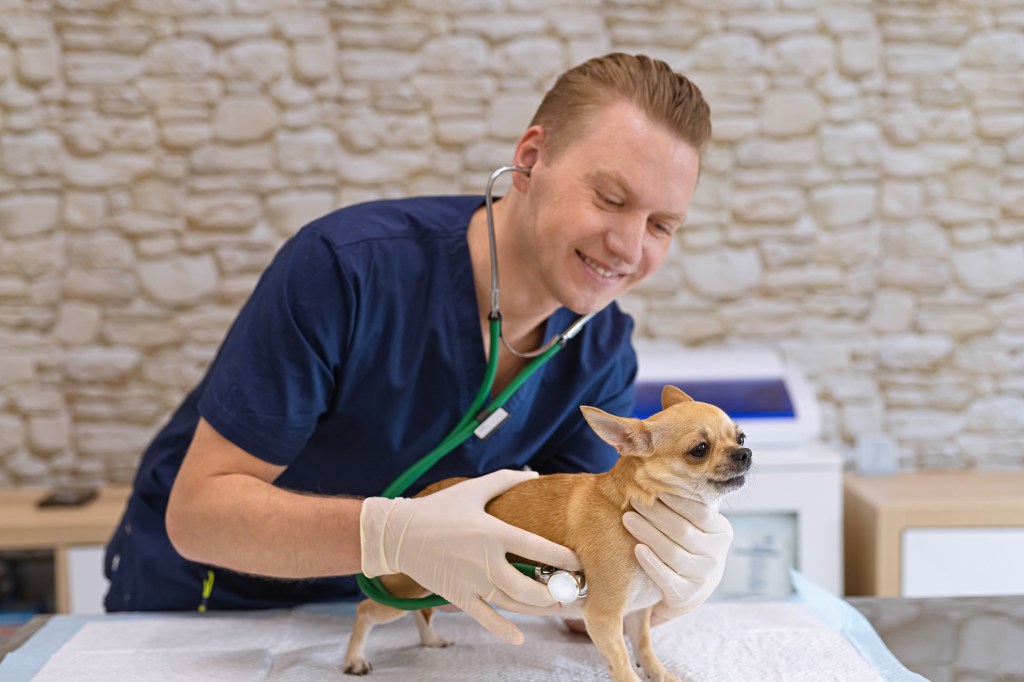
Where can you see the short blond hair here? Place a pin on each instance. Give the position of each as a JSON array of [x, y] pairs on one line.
[[666, 97]]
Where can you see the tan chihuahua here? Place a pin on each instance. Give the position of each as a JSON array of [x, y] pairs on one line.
[[689, 449]]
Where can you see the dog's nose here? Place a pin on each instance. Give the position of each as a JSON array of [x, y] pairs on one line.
[[741, 455]]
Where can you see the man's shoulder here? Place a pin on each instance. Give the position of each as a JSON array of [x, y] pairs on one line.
[[409, 218]]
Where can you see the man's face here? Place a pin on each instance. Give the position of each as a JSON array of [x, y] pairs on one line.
[[603, 211]]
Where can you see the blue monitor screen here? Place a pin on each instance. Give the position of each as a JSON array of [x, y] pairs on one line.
[[738, 398]]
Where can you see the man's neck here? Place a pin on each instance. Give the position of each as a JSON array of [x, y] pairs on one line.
[[523, 309]]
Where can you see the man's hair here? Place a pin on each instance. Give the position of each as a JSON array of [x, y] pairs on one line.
[[651, 85]]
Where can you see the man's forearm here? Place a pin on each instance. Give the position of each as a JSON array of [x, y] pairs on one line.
[[242, 523]]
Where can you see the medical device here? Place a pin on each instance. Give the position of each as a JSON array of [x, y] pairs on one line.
[[481, 420]]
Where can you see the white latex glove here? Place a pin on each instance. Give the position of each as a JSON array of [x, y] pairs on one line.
[[447, 543], [683, 545]]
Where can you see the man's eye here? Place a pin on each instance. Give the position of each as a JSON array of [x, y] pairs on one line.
[[612, 201], [664, 229]]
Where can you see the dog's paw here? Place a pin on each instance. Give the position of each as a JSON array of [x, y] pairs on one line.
[[357, 666], [657, 673], [436, 641]]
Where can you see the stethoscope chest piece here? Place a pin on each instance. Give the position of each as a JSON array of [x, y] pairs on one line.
[[564, 586]]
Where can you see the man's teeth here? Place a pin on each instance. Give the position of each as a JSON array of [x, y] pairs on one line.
[[597, 268]]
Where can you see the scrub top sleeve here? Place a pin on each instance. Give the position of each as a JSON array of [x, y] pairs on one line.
[[275, 372]]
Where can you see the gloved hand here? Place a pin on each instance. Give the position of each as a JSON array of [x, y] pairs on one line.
[[683, 547], [447, 543]]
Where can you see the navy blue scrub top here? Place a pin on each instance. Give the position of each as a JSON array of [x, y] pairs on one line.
[[358, 350]]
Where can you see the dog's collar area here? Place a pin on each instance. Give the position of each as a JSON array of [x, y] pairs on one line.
[[565, 586]]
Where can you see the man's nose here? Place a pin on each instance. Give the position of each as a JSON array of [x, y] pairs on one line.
[[625, 239]]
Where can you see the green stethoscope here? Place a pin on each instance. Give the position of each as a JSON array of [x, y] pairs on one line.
[[481, 420]]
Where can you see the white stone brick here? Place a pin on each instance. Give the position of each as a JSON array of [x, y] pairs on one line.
[[1002, 49], [769, 205], [99, 364], [140, 333], [288, 211], [510, 114], [214, 158], [313, 60], [179, 280], [244, 118], [47, 434], [77, 323], [28, 214], [38, 64], [862, 417], [376, 65], [99, 286], [1001, 125], [23, 28], [920, 59], [106, 171], [309, 151], [772, 153], [185, 134], [97, 68], [990, 270], [225, 211], [805, 55], [537, 57], [225, 30], [37, 153], [101, 251], [180, 57], [13, 287], [902, 199], [723, 272], [263, 61], [913, 351], [728, 52], [892, 312], [112, 439], [996, 414], [39, 398], [772, 25], [796, 113], [517, 25], [1012, 200], [859, 55], [456, 53], [459, 131], [840, 205], [924, 424]]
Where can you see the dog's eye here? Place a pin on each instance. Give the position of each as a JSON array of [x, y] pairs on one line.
[[741, 439], [700, 451]]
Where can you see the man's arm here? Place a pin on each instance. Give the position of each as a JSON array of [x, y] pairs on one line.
[[225, 511]]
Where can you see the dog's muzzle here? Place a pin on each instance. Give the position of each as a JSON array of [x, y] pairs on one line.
[[565, 586]]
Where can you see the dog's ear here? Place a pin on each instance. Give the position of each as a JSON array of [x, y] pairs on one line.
[[628, 436], [670, 395]]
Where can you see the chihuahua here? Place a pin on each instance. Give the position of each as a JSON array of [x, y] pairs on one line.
[[691, 449]]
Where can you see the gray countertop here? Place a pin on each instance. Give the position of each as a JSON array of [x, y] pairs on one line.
[[961, 639]]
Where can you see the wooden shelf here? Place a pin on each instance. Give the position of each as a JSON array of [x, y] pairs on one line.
[[877, 509]]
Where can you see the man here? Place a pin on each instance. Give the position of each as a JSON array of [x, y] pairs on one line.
[[364, 342]]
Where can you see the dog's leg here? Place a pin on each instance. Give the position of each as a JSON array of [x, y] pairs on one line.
[[428, 636], [606, 632], [368, 614], [638, 628]]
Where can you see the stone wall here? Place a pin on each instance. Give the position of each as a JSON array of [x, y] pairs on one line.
[[862, 207]]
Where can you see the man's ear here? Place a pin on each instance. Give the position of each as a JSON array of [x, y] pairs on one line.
[[628, 436], [528, 151], [670, 395]]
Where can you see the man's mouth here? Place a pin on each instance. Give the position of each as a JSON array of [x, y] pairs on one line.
[[598, 268]]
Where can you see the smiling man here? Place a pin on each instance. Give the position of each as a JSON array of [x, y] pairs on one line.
[[364, 343]]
